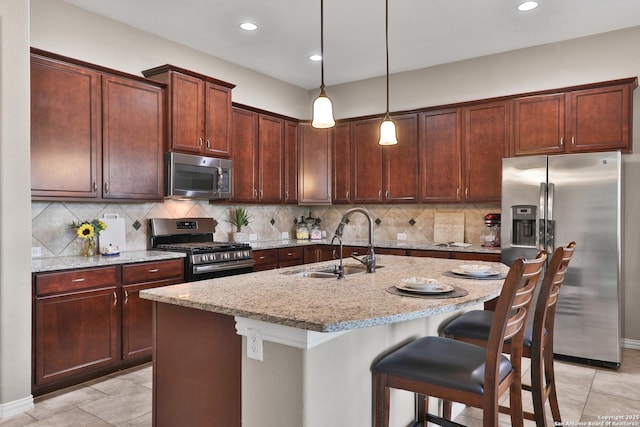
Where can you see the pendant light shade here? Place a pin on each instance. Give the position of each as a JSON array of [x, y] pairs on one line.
[[387, 127], [322, 108]]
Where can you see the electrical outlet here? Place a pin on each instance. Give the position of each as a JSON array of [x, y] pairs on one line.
[[36, 252], [285, 235], [254, 344], [253, 237], [401, 236]]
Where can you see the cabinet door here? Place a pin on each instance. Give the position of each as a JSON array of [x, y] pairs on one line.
[[342, 163], [485, 141], [290, 182], [132, 139], [217, 120], [539, 125], [76, 332], [440, 156], [266, 259], [314, 187], [401, 162], [366, 162], [600, 119], [270, 158], [187, 118], [245, 155], [65, 130]]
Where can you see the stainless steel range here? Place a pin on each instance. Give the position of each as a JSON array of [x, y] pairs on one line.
[[206, 258]]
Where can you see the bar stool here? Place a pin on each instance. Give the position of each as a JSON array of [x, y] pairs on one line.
[[474, 326], [463, 372]]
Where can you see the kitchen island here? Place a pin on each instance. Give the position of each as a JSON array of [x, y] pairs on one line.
[[309, 346]]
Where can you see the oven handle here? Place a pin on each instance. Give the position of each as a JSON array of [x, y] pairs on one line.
[[222, 266]]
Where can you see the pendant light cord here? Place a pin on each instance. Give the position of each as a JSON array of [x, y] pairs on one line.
[[386, 36], [322, 45]]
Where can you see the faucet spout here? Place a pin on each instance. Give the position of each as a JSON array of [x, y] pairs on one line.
[[368, 260]]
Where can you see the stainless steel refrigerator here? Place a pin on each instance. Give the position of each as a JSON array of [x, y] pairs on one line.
[[549, 201]]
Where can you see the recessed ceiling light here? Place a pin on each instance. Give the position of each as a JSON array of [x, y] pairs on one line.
[[526, 6], [248, 26], [315, 58]]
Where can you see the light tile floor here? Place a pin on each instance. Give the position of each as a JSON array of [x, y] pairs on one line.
[[124, 399]]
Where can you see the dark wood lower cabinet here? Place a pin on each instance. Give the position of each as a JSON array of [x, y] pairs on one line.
[[196, 368], [89, 322]]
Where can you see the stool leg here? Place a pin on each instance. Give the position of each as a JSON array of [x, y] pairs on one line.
[[538, 387], [446, 409], [381, 401], [515, 404], [551, 384]]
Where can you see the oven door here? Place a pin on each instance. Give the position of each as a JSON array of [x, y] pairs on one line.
[[220, 269]]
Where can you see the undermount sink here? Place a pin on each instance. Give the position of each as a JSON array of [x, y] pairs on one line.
[[328, 272]]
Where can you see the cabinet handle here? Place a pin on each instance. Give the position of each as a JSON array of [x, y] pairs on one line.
[[261, 257], [106, 187], [261, 193], [466, 192], [81, 279], [458, 193], [286, 195], [200, 142], [379, 194], [290, 254], [208, 144], [386, 194], [95, 186], [255, 193], [561, 141], [573, 141], [115, 298], [347, 194], [153, 270], [126, 297]]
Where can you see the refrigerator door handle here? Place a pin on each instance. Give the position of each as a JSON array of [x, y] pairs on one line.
[[550, 238], [542, 224]]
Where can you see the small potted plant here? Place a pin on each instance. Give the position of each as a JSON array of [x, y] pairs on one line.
[[88, 231], [239, 218]]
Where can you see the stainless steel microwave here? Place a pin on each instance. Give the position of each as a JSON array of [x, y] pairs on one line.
[[197, 177]]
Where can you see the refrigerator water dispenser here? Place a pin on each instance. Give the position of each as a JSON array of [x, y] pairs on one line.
[[524, 225]]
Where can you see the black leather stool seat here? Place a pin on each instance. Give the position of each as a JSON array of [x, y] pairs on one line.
[[441, 361], [476, 324]]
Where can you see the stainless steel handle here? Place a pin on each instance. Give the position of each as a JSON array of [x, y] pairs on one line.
[[550, 236], [561, 141], [115, 298], [255, 193], [106, 187], [386, 194], [200, 142], [347, 194], [126, 297], [289, 253], [81, 279], [542, 223], [573, 141], [261, 193], [466, 192], [153, 270], [95, 186], [458, 193], [261, 257], [379, 194], [208, 144]]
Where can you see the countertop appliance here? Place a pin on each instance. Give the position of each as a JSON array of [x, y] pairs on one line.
[[206, 258], [553, 200], [197, 177]]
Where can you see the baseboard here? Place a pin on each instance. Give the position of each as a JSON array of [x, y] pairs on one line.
[[632, 344], [16, 407]]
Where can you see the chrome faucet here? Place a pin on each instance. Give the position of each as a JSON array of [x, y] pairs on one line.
[[368, 260]]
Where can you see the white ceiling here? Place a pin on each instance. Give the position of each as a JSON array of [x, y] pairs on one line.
[[422, 33]]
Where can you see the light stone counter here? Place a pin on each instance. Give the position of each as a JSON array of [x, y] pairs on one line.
[[328, 304], [40, 265]]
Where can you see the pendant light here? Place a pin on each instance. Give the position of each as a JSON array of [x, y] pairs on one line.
[[322, 107], [387, 127]]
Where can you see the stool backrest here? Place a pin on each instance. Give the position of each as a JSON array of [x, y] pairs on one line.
[[511, 312]]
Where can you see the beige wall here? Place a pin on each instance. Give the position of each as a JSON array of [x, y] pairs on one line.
[[15, 224]]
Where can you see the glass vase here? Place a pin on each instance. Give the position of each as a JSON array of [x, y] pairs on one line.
[[89, 248]]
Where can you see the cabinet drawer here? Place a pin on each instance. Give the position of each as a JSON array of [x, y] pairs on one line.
[[50, 283], [476, 256], [265, 259], [151, 271], [291, 254], [430, 254]]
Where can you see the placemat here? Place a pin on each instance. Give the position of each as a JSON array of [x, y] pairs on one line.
[[455, 293], [461, 276]]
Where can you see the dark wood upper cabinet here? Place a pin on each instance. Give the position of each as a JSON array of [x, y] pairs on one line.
[[96, 134], [66, 129], [440, 156], [400, 162], [485, 141], [366, 161], [342, 163], [290, 164], [270, 158], [314, 163], [198, 111], [132, 151], [245, 158], [594, 118]]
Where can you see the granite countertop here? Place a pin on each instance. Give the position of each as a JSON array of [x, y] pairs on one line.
[[40, 265], [391, 244], [329, 305]]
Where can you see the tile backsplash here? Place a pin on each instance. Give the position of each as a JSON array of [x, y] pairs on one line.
[[52, 231]]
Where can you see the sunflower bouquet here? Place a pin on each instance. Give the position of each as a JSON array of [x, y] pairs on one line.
[[89, 230]]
